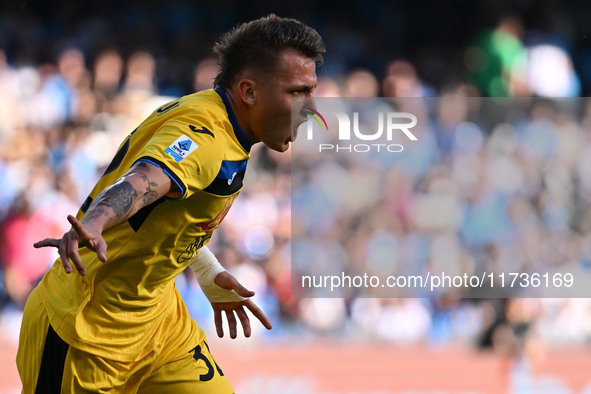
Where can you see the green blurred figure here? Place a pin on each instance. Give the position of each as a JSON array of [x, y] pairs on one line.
[[496, 60]]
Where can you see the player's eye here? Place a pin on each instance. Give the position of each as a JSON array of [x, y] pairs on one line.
[[301, 92]]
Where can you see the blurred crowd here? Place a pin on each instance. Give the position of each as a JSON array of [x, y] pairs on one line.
[[466, 195], [491, 186]]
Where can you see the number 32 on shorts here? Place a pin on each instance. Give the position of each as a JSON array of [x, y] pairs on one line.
[[198, 355]]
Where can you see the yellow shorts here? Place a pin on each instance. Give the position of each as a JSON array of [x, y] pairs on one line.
[[47, 364]]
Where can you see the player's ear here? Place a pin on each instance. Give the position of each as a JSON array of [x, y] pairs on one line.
[[247, 91]]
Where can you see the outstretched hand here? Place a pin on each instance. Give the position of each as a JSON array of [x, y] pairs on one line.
[[227, 281], [68, 245]]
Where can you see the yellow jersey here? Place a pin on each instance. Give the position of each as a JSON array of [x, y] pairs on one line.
[[121, 308]]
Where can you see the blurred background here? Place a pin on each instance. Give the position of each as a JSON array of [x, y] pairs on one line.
[[77, 77]]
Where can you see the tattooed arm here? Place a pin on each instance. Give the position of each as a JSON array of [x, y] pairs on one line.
[[143, 184]]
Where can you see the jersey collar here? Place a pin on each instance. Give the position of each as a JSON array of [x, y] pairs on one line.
[[242, 138]]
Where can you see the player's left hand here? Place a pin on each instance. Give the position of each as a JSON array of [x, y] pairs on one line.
[[227, 281]]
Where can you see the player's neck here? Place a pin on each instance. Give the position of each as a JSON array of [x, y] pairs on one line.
[[241, 113]]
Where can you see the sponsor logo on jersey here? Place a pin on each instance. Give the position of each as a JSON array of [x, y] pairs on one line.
[[192, 249], [181, 148], [231, 179], [213, 224]]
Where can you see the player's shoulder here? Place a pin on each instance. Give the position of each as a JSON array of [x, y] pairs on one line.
[[198, 113], [205, 113], [206, 102], [204, 117]]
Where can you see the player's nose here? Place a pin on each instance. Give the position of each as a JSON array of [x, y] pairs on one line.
[[310, 103]]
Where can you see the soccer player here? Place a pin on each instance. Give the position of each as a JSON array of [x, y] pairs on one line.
[[119, 325]]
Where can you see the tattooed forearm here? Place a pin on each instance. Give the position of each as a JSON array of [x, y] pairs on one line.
[[139, 186], [95, 213], [120, 197]]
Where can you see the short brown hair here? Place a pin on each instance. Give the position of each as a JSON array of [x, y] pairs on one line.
[[259, 44]]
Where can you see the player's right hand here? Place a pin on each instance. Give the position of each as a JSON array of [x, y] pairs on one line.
[[68, 245]]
